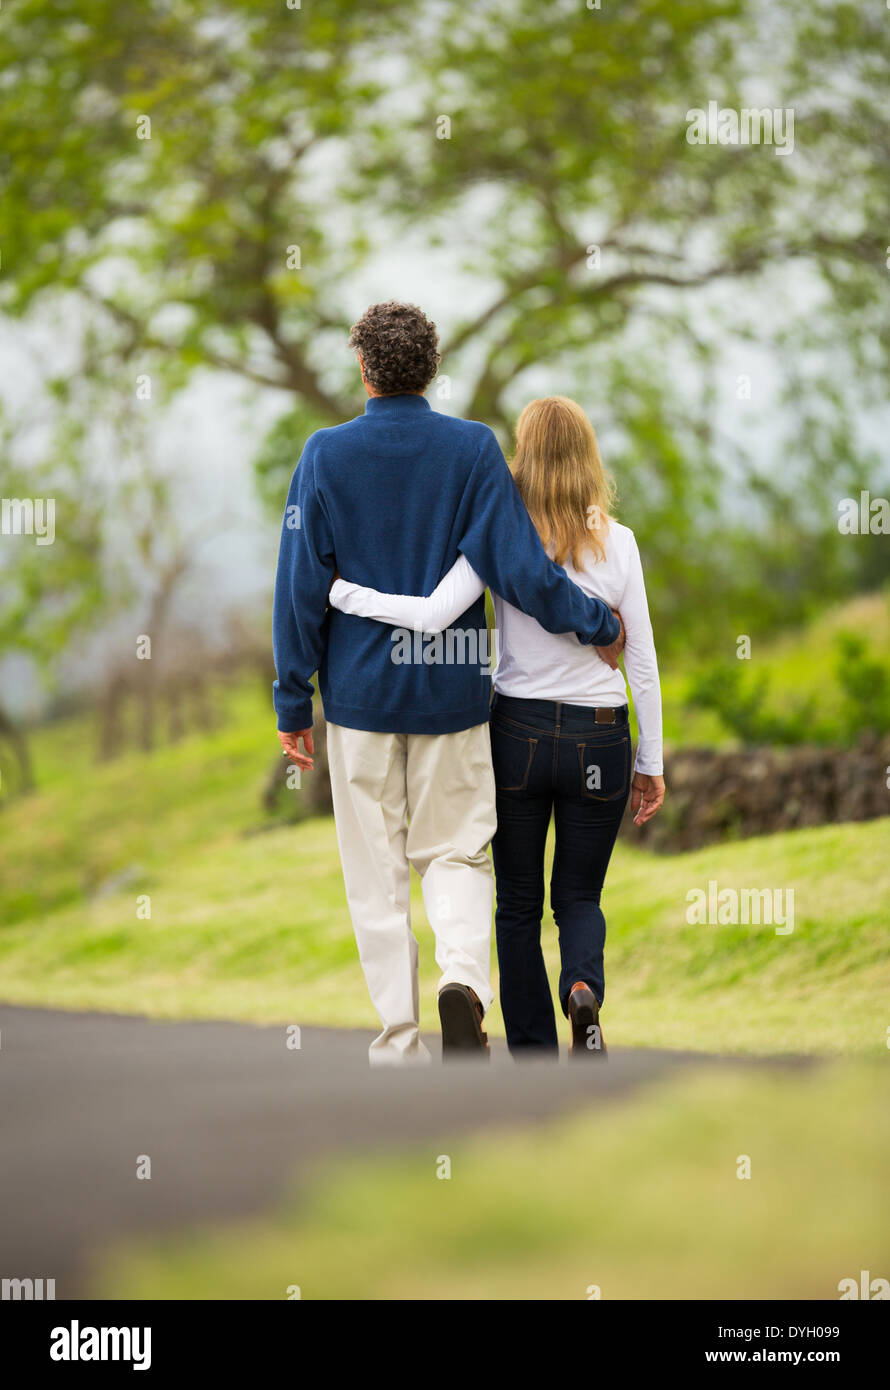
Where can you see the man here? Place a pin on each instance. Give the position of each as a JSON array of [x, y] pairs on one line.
[[389, 499]]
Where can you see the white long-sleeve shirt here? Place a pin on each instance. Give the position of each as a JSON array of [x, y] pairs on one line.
[[537, 665]]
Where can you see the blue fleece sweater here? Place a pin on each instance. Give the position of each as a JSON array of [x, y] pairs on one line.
[[389, 499]]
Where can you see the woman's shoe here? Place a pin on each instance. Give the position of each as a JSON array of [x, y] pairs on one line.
[[584, 1016]]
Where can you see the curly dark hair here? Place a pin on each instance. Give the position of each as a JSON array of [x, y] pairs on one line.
[[399, 348]]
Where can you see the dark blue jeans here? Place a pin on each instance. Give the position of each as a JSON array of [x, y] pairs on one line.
[[552, 758]]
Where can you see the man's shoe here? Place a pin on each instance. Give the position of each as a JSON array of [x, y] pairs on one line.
[[584, 1016], [461, 1014]]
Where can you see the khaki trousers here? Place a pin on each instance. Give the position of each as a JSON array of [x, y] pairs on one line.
[[426, 800]]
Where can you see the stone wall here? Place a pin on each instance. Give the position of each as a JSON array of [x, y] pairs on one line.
[[715, 795]]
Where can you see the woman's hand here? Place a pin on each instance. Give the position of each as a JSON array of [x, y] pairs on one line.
[[647, 794]]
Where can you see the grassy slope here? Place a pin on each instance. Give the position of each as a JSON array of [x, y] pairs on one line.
[[642, 1200], [254, 925]]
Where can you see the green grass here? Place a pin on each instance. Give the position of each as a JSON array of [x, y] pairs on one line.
[[250, 922], [640, 1199]]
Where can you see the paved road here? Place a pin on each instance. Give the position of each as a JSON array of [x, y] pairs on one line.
[[228, 1115]]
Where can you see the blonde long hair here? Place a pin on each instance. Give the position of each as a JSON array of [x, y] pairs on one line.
[[561, 478]]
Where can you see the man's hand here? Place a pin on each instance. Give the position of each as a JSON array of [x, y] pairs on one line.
[[647, 794], [291, 745], [610, 654]]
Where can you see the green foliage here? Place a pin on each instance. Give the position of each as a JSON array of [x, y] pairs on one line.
[[279, 454], [740, 705], [865, 681], [317, 128], [50, 591], [743, 707]]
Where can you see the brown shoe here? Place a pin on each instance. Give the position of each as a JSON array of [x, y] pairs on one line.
[[461, 1014], [584, 1016]]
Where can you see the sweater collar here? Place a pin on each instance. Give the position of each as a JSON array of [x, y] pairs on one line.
[[395, 405]]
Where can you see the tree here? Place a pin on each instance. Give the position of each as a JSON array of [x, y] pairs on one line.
[[211, 185], [91, 530], [50, 573]]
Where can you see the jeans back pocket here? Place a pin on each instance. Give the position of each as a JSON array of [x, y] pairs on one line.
[[511, 756], [605, 769]]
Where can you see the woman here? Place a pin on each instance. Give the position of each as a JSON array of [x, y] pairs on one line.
[[560, 740]]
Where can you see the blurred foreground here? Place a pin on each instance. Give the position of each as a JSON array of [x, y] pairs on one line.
[[214, 1160]]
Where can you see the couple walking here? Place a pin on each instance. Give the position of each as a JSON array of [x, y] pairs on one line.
[[419, 513]]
